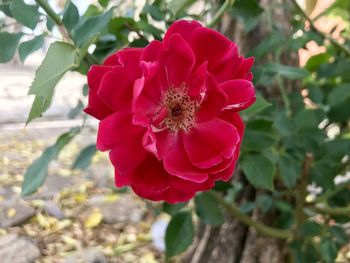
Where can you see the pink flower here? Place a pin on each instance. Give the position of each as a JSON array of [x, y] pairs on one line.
[[169, 111]]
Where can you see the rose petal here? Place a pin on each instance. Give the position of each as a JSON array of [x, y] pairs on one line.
[[244, 69], [182, 27], [220, 52], [190, 186], [209, 143], [178, 61], [213, 102], [96, 107], [240, 94], [176, 162], [151, 181]]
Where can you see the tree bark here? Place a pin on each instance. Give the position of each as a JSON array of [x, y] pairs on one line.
[[234, 242]]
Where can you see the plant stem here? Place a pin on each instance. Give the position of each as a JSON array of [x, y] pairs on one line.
[[55, 17], [220, 12], [335, 211], [301, 192], [49, 11], [259, 227], [313, 27]]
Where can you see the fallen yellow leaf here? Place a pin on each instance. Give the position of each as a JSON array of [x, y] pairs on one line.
[[11, 213], [94, 219]]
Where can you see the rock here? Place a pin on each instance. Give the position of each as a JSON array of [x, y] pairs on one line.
[[55, 183], [6, 193], [14, 213], [17, 249], [88, 255], [124, 210], [53, 209]]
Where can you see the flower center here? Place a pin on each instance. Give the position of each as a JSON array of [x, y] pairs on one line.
[[181, 109]]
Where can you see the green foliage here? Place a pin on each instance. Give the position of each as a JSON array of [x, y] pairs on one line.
[[90, 27], [85, 156], [8, 45], [38, 170], [259, 170], [60, 58], [208, 210], [179, 234], [28, 47], [27, 15]]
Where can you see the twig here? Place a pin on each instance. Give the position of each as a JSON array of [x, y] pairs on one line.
[[335, 211], [259, 227], [55, 17]]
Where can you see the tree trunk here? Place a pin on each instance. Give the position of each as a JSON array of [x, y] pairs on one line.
[[234, 242]]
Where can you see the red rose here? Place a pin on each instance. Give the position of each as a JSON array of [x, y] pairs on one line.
[[169, 111]]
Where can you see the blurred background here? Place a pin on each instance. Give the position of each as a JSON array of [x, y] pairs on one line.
[[78, 215]]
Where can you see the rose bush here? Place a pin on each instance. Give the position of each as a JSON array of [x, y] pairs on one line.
[[169, 112]]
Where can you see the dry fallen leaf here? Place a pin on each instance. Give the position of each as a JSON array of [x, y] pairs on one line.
[[11, 213], [94, 218]]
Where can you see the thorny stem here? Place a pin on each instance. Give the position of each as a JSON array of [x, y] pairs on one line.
[[220, 12], [259, 227], [313, 27]]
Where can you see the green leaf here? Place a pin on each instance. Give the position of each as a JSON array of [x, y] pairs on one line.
[[222, 186], [179, 234], [247, 12], [172, 209], [267, 45], [177, 6], [103, 3], [290, 170], [91, 27], [339, 94], [8, 45], [38, 170], [264, 202], [287, 72], [259, 105], [60, 58], [73, 113], [310, 229], [259, 135], [154, 11], [70, 16], [258, 170], [5, 8], [339, 234], [39, 106], [328, 250], [28, 47], [208, 209], [84, 158], [315, 61], [27, 15]]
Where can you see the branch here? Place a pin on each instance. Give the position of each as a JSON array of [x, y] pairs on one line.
[[334, 211], [55, 17], [313, 27], [220, 12], [49, 11], [259, 227]]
